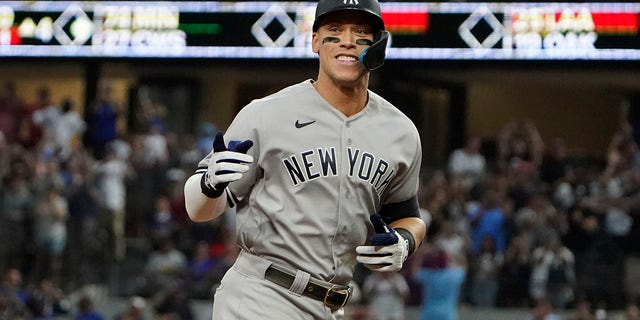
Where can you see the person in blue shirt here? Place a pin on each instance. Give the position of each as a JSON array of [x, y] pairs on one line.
[[86, 310], [441, 277]]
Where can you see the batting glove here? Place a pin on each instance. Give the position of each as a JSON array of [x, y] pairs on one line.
[[225, 165], [388, 249]]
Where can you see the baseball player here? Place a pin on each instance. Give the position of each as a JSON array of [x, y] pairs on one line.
[[323, 174]]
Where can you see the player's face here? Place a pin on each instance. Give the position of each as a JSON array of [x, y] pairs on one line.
[[339, 41]]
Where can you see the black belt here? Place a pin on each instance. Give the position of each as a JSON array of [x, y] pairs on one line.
[[334, 297]]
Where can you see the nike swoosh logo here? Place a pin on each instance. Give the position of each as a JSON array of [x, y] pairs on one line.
[[303, 124]]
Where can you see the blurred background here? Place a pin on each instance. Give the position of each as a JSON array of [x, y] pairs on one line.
[[528, 114]]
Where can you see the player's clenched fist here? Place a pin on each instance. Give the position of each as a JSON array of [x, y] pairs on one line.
[[387, 250], [225, 165]]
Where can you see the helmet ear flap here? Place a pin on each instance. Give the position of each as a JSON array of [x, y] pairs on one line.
[[373, 57]]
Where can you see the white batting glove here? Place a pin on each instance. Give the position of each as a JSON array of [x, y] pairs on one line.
[[388, 249], [225, 165]]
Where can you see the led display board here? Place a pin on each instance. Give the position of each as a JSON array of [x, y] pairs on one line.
[[276, 29]]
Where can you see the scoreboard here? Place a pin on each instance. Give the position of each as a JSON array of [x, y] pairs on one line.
[[278, 29]]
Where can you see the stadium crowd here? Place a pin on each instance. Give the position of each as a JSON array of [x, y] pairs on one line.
[[84, 202]]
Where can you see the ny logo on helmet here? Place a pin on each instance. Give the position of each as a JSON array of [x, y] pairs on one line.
[[351, 2]]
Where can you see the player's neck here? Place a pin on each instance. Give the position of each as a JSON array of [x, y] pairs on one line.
[[349, 100]]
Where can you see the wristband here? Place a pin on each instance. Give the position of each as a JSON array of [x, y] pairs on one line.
[[208, 191], [409, 237]]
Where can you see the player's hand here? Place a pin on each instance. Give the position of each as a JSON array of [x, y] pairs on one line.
[[225, 165], [387, 250]]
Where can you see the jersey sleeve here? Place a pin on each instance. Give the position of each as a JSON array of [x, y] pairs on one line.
[[400, 199]]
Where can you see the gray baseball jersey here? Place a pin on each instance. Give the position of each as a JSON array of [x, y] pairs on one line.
[[317, 176]]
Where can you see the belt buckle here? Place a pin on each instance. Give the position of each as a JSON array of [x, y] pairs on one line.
[[346, 292]]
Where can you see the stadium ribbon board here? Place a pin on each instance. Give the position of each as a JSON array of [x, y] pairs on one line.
[[275, 29]]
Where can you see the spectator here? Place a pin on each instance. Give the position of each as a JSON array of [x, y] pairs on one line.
[[102, 121], [632, 310], [50, 226], [520, 147], [86, 235], [582, 310], [162, 221], [136, 309], [461, 201], [67, 128], [553, 273], [555, 162], [454, 242], [485, 281], [11, 108], [538, 218], [515, 273], [30, 133], [441, 277], [467, 162], [156, 152], [543, 310], [386, 293], [46, 119], [13, 296], [17, 209], [201, 278], [165, 268], [46, 301], [111, 174], [86, 310], [5, 160], [489, 220], [206, 132], [582, 239], [433, 198], [175, 304]]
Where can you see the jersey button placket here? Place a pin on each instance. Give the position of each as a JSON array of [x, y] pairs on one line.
[[349, 141], [347, 193]]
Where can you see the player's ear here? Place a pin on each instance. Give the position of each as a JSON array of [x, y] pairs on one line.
[[315, 43]]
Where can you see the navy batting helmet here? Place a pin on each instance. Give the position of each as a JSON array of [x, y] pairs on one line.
[[372, 7]]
